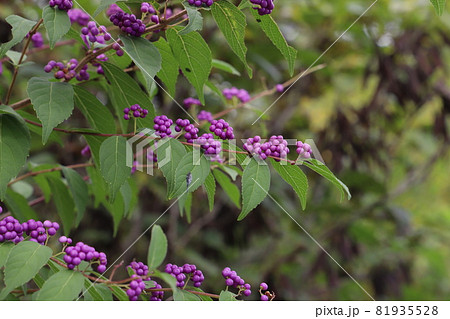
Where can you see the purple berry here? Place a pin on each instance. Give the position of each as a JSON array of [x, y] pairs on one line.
[[264, 298]]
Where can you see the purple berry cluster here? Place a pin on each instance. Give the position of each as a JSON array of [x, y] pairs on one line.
[[67, 71], [304, 150], [118, 49], [205, 116], [211, 147], [277, 146], [100, 58], [157, 295], [200, 3], [151, 156], [76, 254], [266, 6], [191, 101], [137, 285], [128, 23], [92, 34], [61, 4], [241, 94], [222, 129], [162, 125], [263, 287], [147, 8], [10, 230], [40, 231], [37, 39], [135, 110], [184, 273], [113, 9], [233, 280], [78, 16], [191, 131]]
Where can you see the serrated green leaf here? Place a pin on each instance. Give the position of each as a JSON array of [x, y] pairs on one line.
[[226, 295], [195, 20], [78, 189], [63, 202], [157, 249], [194, 57], [113, 162], [145, 55], [255, 186], [183, 295], [270, 28], [224, 66], [169, 152], [24, 262], [19, 207], [439, 6], [169, 66], [323, 170], [124, 92], [52, 101], [56, 22], [232, 22], [5, 249], [210, 187], [14, 148], [230, 189], [98, 115], [65, 285], [198, 168], [20, 28], [295, 177]]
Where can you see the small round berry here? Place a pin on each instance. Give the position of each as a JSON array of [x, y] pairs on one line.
[[264, 298]]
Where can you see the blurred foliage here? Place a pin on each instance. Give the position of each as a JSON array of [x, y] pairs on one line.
[[379, 114]]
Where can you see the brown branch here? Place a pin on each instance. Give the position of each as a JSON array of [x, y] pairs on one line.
[[16, 70]]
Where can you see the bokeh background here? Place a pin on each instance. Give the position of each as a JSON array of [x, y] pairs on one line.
[[378, 111]]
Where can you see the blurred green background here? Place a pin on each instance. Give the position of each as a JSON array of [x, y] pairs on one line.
[[379, 114]]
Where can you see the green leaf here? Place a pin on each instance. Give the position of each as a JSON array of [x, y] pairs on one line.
[[230, 189], [14, 148], [94, 142], [169, 65], [38, 280], [97, 292], [63, 202], [195, 20], [439, 6], [124, 92], [52, 101], [97, 186], [117, 210], [224, 66], [171, 281], [270, 28], [113, 162], [255, 186], [183, 295], [194, 56], [18, 205], [65, 285], [323, 170], [78, 188], [23, 263], [210, 186], [232, 22], [295, 177], [20, 28], [158, 248], [98, 115], [198, 168], [145, 55], [14, 56], [56, 22], [169, 152], [233, 171], [119, 293], [5, 249], [202, 297], [226, 295]]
